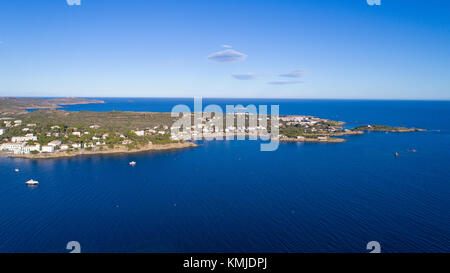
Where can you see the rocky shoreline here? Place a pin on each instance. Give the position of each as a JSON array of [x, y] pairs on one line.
[[121, 150], [315, 140]]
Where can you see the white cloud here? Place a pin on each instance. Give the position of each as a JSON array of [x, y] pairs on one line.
[[226, 46], [227, 56]]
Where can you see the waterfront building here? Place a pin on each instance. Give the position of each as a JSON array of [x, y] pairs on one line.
[[48, 149], [54, 143]]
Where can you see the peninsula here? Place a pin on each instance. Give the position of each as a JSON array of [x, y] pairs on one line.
[[52, 133], [13, 105]]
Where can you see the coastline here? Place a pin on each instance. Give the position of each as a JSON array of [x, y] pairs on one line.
[[400, 130], [121, 150], [314, 140]]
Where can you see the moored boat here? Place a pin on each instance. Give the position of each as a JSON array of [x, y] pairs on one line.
[[32, 182]]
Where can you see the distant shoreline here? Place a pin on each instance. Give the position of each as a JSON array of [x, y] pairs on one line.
[[314, 140], [121, 150]]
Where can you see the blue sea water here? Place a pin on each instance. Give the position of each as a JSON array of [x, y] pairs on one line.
[[228, 196]]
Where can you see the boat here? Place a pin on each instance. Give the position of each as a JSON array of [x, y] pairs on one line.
[[16, 170], [32, 182], [132, 163], [396, 154]]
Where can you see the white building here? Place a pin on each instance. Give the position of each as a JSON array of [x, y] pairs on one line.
[[140, 133], [31, 148], [48, 149], [78, 134], [54, 143], [16, 148], [2, 131], [26, 138], [64, 147], [76, 145]]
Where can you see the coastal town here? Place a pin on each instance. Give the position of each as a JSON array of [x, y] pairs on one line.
[[19, 138], [49, 132]]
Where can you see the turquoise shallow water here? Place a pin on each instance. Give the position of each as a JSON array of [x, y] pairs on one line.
[[227, 196]]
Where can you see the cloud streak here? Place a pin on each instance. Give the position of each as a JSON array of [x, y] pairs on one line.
[[227, 56], [293, 74], [283, 82], [247, 76]]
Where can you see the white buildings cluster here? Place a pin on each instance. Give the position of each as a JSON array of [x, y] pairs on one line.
[[205, 127], [302, 120], [26, 138], [20, 148]]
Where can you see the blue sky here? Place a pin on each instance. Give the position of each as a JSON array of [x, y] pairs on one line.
[[233, 48]]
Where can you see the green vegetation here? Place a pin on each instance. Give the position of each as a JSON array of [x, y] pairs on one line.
[[321, 128], [384, 128], [114, 121], [11, 105], [91, 130]]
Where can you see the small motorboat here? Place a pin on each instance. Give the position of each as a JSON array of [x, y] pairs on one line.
[[132, 163], [32, 182], [396, 154], [16, 170]]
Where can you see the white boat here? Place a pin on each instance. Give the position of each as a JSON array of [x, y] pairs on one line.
[[32, 182], [132, 163], [16, 170]]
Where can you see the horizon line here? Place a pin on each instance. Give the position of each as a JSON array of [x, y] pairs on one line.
[[205, 97]]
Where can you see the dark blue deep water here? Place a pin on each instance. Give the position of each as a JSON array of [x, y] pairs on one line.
[[228, 196]]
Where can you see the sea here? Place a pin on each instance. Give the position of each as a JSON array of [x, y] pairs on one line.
[[229, 196]]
